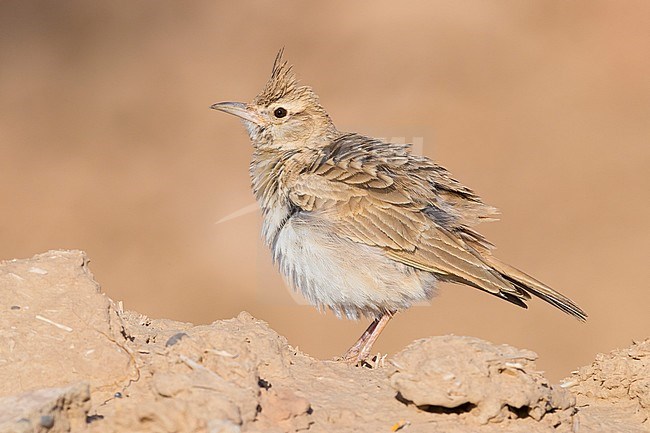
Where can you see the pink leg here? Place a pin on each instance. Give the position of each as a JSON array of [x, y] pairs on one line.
[[361, 349], [352, 354]]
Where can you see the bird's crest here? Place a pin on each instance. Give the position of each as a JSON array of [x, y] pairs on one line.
[[282, 82]]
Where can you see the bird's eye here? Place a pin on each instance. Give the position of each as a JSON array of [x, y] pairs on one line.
[[280, 112]]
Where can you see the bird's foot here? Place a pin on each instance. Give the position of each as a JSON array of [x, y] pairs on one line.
[[352, 356], [377, 361], [360, 358], [360, 350]]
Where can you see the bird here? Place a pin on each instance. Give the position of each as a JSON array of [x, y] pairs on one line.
[[363, 227]]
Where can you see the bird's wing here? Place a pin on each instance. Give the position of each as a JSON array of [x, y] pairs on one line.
[[379, 195], [370, 205]]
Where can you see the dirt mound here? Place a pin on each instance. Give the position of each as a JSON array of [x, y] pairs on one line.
[[73, 360]]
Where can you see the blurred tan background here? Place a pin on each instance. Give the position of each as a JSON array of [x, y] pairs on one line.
[[543, 107]]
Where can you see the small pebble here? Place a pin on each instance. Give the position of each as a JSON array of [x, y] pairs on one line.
[[92, 418], [263, 384], [118, 395], [15, 307], [47, 421], [175, 339]]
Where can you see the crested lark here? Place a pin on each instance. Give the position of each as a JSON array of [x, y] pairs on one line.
[[361, 226]]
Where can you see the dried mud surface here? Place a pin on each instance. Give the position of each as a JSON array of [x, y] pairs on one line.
[[71, 359]]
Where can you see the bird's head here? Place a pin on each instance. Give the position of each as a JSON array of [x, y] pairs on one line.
[[284, 115]]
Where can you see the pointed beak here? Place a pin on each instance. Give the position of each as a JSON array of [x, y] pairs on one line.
[[240, 110]]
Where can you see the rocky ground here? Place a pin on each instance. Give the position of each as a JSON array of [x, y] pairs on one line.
[[71, 359]]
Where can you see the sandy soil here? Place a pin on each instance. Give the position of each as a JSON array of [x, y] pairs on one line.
[[74, 360]]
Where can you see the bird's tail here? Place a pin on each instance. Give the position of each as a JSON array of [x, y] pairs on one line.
[[528, 284]]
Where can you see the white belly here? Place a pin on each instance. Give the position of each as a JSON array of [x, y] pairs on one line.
[[351, 279]]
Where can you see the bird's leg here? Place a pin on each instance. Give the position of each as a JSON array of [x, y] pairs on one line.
[[367, 347], [361, 349], [352, 353]]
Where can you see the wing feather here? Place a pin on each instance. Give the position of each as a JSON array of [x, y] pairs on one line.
[[379, 212], [415, 212]]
